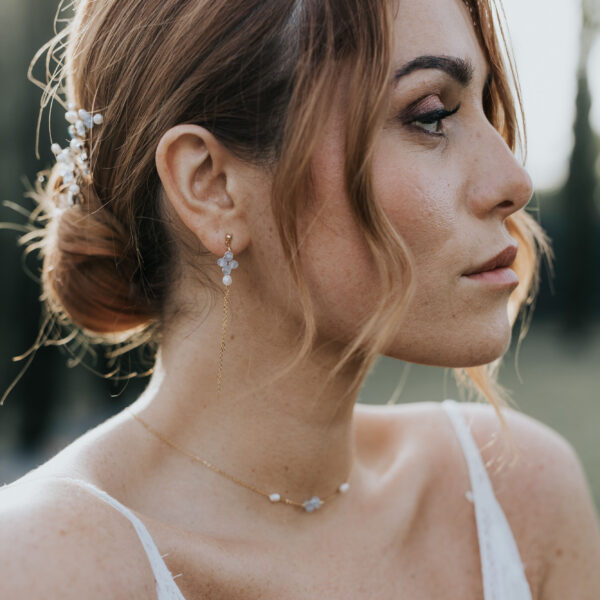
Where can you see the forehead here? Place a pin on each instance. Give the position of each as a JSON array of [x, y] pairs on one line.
[[441, 27]]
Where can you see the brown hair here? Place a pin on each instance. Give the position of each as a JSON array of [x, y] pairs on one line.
[[259, 76]]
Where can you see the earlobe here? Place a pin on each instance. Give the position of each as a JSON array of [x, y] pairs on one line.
[[195, 169]]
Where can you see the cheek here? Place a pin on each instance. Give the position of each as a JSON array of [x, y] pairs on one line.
[[445, 324], [334, 254], [422, 205]]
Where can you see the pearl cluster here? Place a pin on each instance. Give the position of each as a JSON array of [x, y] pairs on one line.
[[73, 165]]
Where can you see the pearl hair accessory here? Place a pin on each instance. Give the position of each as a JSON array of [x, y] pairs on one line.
[[73, 160]]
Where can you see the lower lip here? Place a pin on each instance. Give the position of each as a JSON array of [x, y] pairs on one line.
[[498, 276]]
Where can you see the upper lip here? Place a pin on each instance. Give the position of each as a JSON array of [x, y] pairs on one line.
[[503, 259]]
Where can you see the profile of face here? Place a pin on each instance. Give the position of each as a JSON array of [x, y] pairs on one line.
[[447, 186], [443, 175]]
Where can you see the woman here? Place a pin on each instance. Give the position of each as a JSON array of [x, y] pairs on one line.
[[277, 193]]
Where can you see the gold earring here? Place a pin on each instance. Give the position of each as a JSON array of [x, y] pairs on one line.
[[227, 264]]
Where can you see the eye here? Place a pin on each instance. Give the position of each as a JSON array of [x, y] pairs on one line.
[[434, 118]]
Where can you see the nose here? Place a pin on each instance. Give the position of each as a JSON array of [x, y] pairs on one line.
[[500, 185]]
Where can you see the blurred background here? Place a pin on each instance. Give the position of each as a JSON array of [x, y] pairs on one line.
[[554, 374]]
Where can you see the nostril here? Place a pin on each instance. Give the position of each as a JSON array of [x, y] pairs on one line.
[[505, 204]]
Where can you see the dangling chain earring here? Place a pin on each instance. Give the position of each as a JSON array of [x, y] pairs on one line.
[[227, 264]]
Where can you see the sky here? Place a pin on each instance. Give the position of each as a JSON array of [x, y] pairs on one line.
[[545, 39]]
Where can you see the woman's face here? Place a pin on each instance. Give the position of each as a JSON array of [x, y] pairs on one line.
[[446, 186]]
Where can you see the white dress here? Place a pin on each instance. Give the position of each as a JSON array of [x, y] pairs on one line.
[[502, 570]]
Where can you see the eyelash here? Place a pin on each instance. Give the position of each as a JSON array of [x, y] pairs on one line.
[[434, 117]]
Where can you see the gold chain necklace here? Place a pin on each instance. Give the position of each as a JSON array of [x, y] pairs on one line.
[[227, 264], [308, 505]]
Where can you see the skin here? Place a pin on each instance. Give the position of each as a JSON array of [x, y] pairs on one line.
[[449, 198]]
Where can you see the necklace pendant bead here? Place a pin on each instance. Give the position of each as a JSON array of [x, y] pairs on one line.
[[344, 487], [274, 497], [313, 504]]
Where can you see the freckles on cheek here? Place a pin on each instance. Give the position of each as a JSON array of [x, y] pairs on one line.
[[421, 208]]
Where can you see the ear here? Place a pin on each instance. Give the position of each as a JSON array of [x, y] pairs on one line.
[[197, 174]]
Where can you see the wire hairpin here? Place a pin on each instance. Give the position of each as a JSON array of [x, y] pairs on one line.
[[73, 161]]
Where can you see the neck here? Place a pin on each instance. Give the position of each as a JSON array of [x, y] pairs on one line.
[[292, 435]]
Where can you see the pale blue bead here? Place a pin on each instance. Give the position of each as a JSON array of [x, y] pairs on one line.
[[313, 504], [228, 255]]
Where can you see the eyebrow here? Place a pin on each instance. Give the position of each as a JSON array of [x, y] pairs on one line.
[[460, 69]]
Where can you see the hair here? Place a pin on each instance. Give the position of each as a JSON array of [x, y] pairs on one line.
[[259, 76]]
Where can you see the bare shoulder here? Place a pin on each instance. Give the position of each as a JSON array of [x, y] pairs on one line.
[[546, 489], [539, 482], [60, 541]]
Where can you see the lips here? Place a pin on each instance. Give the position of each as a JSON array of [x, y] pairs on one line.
[[502, 260]]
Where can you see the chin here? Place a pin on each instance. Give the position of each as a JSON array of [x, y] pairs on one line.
[[481, 351], [460, 348]]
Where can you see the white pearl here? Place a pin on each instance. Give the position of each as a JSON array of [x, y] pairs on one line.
[[71, 116], [74, 189], [56, 149], [71, 105], [344, 487], [227, 280], [274, 497], [98, 119]]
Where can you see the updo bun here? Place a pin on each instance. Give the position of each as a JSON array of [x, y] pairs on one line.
[[89, 273]]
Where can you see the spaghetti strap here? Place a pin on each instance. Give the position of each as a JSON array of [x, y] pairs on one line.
[[502, 570], [166, 588]]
